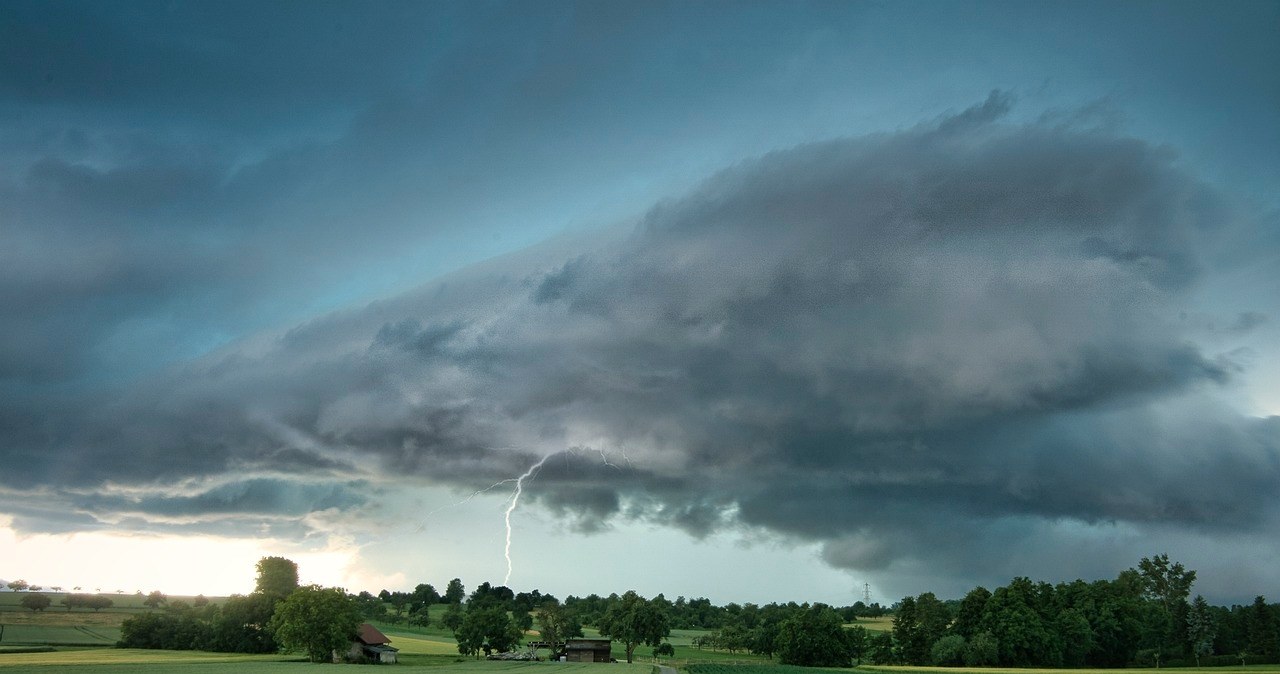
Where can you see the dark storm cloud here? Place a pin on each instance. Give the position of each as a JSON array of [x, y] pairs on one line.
[[927, 346]]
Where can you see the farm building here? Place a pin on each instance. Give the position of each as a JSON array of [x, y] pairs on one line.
[[372, 644], [588, 650], [577, 650]]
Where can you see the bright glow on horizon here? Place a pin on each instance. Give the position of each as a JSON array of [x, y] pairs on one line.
[[177, 565]]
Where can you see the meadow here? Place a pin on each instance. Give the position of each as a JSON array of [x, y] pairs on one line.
[[122, 661]]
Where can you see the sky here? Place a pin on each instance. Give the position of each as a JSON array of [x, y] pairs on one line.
[[757, 301]]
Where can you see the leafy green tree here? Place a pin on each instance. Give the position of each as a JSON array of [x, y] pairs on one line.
[[635, 621], [553, 623], [857, 642], [948, 651], [664, 649], [813, 638], [1076, 636], [420, 615], [155, 599], [880, 651], [1167, 584], [36, 601], [969, 616], [452, 618], [18, 585], [487, 627], [1200, 628], [277, 577], [1018, 629], [908, 639], [98, 602], [316, 621], [983, 651], [241, 625], [454, 593], [523, 620], [763, 638], [424, 595]]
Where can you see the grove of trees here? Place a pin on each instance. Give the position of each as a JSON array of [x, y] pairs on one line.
[[1146, 616]]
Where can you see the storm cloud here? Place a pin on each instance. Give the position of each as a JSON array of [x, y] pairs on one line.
[[939, 346]]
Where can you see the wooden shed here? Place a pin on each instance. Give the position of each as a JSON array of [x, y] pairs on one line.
[[588, 650], [372, 644]]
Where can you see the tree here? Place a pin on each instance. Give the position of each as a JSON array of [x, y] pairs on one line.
[[36, 601], [813, 638], [454, 592], [1019, 631], [1164, 582], [634, 621], [969, 616], [423, 595], [553, 623], [983, 651], [664, 649], [316, 621], [241, 625], [857, 642], [487, 627], [1167, 584], [155, 599], [98, 602], [1260, 626], [420, 615], [277, 577], [452, 618], [18, 585], [880, 650], [948, 651], [1200, 629]]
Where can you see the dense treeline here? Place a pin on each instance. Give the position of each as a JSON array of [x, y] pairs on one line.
[[239, 625], [1143, 617]]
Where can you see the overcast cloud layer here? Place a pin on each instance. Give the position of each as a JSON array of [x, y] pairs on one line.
[[948, 349]]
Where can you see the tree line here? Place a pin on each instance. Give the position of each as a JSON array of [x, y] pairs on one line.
[[1143, 617]]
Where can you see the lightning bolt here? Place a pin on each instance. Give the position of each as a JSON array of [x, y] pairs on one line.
[[511, 506], [514, 499]]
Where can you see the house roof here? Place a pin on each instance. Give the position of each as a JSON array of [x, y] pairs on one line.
[[369, 635]]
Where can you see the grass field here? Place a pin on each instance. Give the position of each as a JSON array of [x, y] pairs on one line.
[[121, 661], [1251, 669], [88, 628], [881, 624], [714, 668]]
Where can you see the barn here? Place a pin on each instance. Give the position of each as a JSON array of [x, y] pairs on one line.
[[373, 645], [588, 650]]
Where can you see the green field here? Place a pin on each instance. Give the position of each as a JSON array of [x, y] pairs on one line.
[[714, 668], [122, 661], [1251, 669], [881, 624]]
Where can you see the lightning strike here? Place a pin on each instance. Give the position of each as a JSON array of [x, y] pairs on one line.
[[511, 505]]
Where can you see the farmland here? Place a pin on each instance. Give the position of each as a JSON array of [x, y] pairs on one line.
[[111, 661]]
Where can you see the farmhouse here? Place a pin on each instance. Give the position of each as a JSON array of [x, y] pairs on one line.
[[372, 644]]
